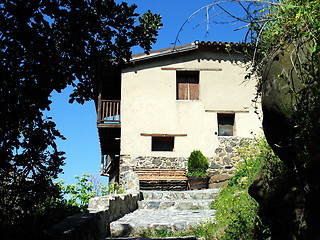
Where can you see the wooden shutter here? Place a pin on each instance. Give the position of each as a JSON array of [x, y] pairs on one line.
[[182, 90], [193, 86], [187, 85]]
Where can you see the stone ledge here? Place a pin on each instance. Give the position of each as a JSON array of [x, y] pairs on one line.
[[143, 238], [94, 225]]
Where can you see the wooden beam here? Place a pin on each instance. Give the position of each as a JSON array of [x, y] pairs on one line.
[[228, 111], [162, 135], [191, 69], [109, 125]]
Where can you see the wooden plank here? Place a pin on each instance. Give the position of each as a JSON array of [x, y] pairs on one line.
[[162, 135], [99, 108], [162, 178], [228, 111], [182, 91], [117, 116], [109, 125], [154, 175], [159, 169], [163, 174], [159, 173], [193, 89]]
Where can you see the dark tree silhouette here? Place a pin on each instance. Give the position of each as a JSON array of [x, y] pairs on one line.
[[46, 45]]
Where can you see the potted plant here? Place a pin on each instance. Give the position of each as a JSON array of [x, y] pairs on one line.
[[197, 170]]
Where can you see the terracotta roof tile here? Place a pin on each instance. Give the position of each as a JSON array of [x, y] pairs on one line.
[[187, 47]]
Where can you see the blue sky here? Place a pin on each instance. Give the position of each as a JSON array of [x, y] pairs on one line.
[[78, 122]]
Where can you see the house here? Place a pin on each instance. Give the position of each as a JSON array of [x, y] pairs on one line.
[[172, 101]]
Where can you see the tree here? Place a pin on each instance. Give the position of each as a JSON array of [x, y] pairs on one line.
[[46, 45], [285, 58]]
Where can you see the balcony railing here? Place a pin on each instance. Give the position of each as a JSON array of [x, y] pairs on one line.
[[109, 111]]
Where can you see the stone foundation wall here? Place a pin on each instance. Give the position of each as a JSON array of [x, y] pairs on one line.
[[95, 224], [225, 157]]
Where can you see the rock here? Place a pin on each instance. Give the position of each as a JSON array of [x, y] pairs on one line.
[[212, 172], [215, 166], [291, 214], [219, 181], [227, 161], [130, 180], [156, 162], [218, 150], [169, 210]]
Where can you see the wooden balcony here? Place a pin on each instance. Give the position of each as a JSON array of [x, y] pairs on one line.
[[109, 114]]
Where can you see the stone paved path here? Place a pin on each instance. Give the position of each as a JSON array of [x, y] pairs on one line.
[[173, 211]]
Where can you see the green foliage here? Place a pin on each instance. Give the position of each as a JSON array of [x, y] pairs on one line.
[[236, 216], [87, 187], [236, 210], [290, 21], [298, 22], [156, 233], [197, 164], [46, 46], [115, 189]]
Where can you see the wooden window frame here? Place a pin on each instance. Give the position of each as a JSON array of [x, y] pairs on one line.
[[226, 120], [187, 85], [162, 144]]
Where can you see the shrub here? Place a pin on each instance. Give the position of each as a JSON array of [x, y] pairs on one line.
[[197, 164], [87, 187], [236, 209]]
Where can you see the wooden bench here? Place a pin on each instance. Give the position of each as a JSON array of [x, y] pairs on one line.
[[162, 179]]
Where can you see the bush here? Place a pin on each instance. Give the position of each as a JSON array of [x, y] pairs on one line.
[[236, 209], [197, 164], [87, 187]]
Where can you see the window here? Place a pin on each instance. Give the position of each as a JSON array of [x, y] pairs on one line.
[[162, 144], [187, 85], [225, 124]]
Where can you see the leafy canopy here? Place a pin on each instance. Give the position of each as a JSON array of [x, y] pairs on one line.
[[46, 45]]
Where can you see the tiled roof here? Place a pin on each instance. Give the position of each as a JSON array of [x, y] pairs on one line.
[[187, 47]]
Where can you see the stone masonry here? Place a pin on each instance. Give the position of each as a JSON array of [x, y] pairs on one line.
[[221, 165], [94, 224], [171, 211]]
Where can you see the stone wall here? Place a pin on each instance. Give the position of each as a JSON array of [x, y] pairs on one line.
[[95, 223], [224, 159]]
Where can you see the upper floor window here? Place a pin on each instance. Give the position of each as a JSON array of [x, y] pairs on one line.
[[225, 124], [187, 85]]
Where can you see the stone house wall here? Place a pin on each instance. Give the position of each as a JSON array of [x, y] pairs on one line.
[[223, 162]]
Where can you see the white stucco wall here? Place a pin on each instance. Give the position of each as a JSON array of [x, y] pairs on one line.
[[149, 105]]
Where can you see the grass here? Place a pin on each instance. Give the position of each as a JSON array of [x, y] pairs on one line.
[[236, 217]]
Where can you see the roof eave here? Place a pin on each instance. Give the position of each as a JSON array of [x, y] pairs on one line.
[[170, 51]]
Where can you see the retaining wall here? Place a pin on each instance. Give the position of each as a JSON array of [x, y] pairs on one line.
[[222, 162], [95, 224]]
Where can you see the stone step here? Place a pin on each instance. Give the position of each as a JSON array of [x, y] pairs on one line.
[[143, 220], [194, 194], [145, 238], [178, 204]]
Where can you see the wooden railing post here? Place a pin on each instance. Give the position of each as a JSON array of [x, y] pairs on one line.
[[109, 111], [99, 109]]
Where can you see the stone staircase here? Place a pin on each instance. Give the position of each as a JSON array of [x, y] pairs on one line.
[[171, 211]]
